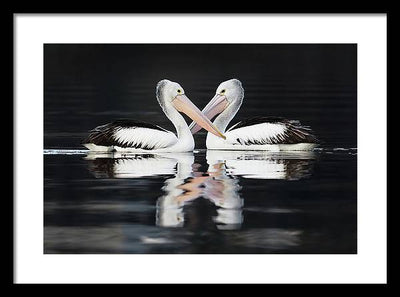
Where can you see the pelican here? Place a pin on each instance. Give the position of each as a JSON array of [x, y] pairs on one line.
[[136, 137], [258, 133]]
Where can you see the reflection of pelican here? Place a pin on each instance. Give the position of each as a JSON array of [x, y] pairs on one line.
[[177, 192], [133, 136], [186, 185], [264, 165], [189, 184], [261, 133], [219, 184], [117, 165], [178, 189], [223, 191]]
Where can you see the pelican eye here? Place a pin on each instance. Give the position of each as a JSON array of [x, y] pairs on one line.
[[179, 91], [223, 91]]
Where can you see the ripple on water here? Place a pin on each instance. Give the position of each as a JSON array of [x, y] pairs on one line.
[[64, 152]]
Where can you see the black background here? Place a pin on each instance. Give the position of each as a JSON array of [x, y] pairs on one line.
[[86, 85]]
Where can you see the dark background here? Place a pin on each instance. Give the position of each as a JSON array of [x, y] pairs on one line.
[[86, 85]]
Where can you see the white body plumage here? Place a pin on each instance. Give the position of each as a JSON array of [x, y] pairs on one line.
[[260, 133], [139, 137], [241, 139]]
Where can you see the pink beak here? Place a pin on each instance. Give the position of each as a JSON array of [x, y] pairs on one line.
[[183, 104], [213, 108]]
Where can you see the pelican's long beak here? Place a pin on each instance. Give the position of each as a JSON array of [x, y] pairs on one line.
[[213, 108], [183, 104]]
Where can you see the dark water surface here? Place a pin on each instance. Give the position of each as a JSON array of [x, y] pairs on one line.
[[206, 201]]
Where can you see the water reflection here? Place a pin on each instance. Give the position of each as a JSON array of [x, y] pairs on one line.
[[219, 183], [189, 184], [180, 189], [264, 165], [119, 165]]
